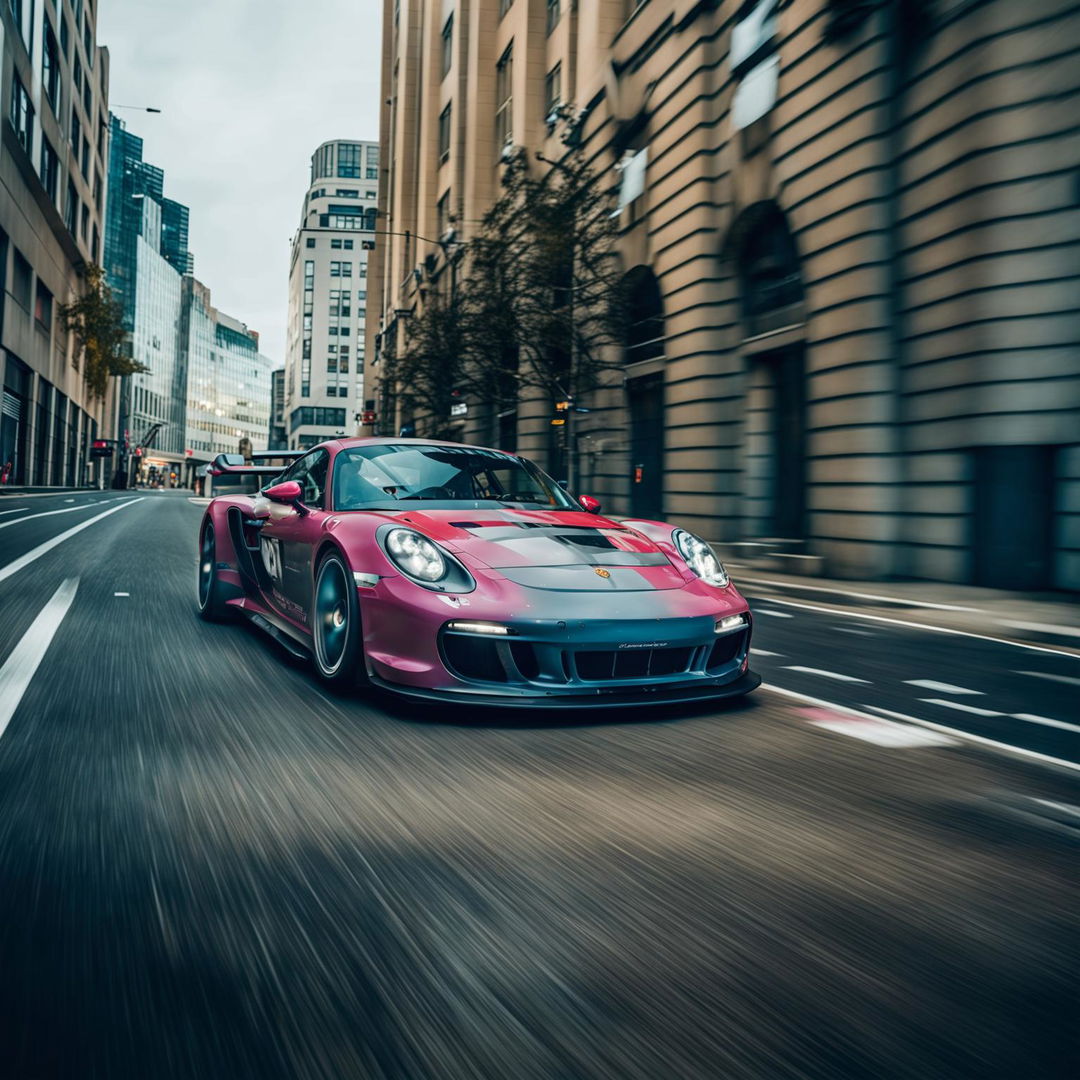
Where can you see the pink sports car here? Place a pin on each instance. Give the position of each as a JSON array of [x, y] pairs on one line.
[[449, 572]]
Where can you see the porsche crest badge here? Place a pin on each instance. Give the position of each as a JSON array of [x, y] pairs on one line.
[[601, 572]]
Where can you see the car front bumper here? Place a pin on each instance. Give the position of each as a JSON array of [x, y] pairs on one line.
[[557, 649]]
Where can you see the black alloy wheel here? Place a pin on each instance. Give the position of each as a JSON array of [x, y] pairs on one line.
[[212, 606], [335, 625]]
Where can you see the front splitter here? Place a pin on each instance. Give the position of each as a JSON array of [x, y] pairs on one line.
[[639, 697]]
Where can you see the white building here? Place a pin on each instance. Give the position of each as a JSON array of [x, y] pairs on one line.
[[324, 365]]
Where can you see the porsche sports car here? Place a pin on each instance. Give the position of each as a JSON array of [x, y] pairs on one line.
[[450, 572]]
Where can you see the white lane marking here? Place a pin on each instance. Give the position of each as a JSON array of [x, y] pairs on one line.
[[20, 666], [49, 513], [17, 510], [69, 500], [1032, 719], [827, 674], [967, 736], [941, 687], [121, 594], [42, 549], [852, 630], [775, 614], [960, 707], [919, 626], [1055, 678], [1042, 628], [765, 652], [963, 736], [899, 601], [874, 730]]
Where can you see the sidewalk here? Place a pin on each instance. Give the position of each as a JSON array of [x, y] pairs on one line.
[[1043, 618]]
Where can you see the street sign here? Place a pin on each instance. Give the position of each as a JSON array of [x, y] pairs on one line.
[[188, 453], [101, 448], [367, 416], [459, 408]]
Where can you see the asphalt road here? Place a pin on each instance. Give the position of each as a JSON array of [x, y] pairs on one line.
[[211, 867]]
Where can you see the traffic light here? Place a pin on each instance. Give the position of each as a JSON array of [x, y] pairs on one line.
[[561, 409]]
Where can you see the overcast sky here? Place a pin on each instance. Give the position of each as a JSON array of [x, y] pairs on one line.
[[248, 89]]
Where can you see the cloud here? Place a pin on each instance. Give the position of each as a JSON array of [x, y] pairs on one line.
[[248, 90]]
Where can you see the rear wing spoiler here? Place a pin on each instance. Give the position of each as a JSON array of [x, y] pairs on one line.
[[233, 465], [277, 455]]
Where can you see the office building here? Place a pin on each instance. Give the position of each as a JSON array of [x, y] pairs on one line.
[[325, 343], [849, 243], [228, 380], [54, 86], [279, 436]]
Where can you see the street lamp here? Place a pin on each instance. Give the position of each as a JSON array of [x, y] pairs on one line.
[[137, 108]]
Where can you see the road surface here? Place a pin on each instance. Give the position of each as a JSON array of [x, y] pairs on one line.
[[213, 867]]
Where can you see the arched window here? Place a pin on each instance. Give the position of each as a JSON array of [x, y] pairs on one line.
[[768, 265]]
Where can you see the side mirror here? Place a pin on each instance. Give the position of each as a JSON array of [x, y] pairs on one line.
[[589, 504], [287, 492]]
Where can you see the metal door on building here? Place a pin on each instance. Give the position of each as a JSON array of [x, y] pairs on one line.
[[1012, 527], [646, 399]]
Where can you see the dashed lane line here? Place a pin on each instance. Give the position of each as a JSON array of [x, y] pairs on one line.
[[42, 549], [20, 666], [941, 687], [17, 510], [1067, 679], [765, 652], [827, 674], [774, 614], [50, 513], [1031, 718], [959, 706], [916, 626]]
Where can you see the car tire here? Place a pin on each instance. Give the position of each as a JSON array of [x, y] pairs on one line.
[[336, 629], [212, 606]]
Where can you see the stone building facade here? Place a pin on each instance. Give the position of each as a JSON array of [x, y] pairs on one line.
[[851, 237], [54, 84]]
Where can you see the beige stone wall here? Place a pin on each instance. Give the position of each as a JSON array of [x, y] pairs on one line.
[[939, 261]]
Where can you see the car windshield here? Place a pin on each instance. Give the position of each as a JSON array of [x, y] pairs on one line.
[[382, 476]]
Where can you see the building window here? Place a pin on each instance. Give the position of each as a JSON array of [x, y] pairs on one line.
[[309, 242], [335, 243], [335, 269], [65, 37], [76, 128], [505, 6], [447, 45], [552, 89], [442, 221], [552, 14], [88, 42], [43, 307], [50, 68], [348, 161], [71, 209], [347, 244], [76, 74], [84, 222], [50, 169], [372, 173], [504, 100], [86, 160], [22, 114], [21, 279], [444, 133], [347, 193]]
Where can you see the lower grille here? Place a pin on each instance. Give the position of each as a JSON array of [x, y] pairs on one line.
[[631, 663], [725, 650], [474, 658]]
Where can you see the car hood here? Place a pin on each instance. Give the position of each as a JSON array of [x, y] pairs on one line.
[[551, 549]]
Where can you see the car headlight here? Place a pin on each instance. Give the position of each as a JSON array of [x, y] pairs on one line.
[[700, 558], [415, 555], [425, 562]]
